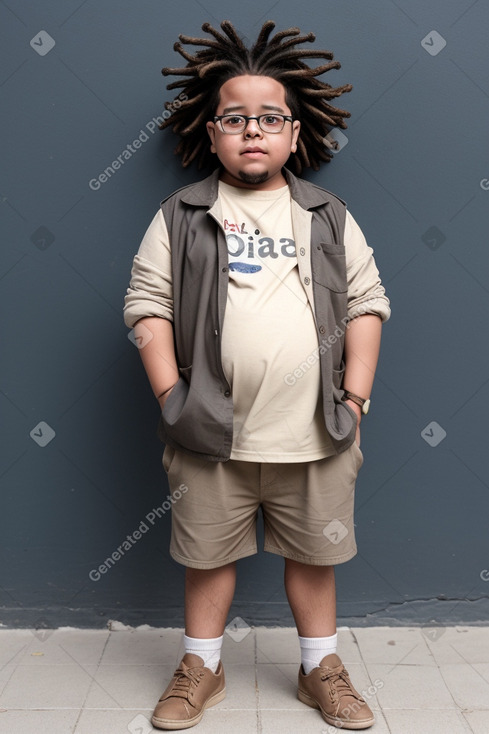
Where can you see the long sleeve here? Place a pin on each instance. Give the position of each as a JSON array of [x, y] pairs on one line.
[[150, 291], [366, 294]]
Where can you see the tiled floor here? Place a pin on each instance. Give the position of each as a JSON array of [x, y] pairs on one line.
[[416, 680]]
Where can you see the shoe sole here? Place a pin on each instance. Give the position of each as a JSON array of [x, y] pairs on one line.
[[338, 723], [175, 724]]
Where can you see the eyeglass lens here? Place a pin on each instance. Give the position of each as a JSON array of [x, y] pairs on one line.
[[238, 123]]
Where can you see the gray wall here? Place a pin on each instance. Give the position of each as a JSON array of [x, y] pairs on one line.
[[415, 173]]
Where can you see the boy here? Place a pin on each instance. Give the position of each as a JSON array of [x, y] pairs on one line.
[[264, 307]]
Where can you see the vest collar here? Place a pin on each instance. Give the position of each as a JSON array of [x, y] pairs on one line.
[[306, 194]]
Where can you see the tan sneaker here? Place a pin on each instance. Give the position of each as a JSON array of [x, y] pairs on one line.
[[328, 688], [192, 689]]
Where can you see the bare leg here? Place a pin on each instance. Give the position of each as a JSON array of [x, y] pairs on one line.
[[312, 597], [208, 597]]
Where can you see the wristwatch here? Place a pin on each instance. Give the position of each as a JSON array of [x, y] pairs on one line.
[[363, 403]]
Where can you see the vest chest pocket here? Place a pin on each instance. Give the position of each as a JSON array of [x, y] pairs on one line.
[[329, 266]]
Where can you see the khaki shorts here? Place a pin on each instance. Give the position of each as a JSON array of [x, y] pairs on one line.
[[307, 508]]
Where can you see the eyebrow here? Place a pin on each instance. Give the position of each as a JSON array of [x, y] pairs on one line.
[[272, 108]]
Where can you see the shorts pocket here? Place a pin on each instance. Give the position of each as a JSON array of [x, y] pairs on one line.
[[359, 454]]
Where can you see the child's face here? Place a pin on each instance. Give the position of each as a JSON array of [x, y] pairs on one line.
[[253, 158]]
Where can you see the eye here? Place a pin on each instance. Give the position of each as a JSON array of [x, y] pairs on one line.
[[272, 119], [233, 120]]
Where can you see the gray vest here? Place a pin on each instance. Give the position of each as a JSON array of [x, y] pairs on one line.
[[198, 414]]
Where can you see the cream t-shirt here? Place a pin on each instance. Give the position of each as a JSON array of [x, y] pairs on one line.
[[268, 331]]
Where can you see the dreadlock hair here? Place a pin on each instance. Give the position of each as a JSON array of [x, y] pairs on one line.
[[225, 57]]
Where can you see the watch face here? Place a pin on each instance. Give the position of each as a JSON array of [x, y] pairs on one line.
[[366, 407]]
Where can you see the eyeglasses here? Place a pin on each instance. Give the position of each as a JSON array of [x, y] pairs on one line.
[[235, 124]]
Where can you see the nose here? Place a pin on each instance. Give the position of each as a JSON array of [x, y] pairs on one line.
[[252, 129]]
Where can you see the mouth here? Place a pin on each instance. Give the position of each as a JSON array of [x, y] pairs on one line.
[[253, 152]]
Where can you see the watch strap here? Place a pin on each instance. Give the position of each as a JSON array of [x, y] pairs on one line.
[[363, 403]]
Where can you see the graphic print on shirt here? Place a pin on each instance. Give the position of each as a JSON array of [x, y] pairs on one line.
[[250, 246]]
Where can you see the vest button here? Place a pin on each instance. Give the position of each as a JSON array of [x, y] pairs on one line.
[[307, 280], [322, 330], [302, 251], [224, 270], [227, 393]]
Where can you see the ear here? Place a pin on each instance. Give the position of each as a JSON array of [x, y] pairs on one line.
[[296, 128], [211, 130]]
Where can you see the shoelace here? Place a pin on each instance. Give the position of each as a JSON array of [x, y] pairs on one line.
[[340, 680], [184, 679]]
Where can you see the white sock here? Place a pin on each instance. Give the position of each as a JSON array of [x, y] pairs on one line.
[[314, 649], [209, 649]]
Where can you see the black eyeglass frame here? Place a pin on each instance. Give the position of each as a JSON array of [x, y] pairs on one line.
[[286, 118]]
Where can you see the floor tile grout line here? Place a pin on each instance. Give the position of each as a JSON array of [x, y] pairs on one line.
[[14, 668], [259, 724], [365, 666], [82, 708]]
